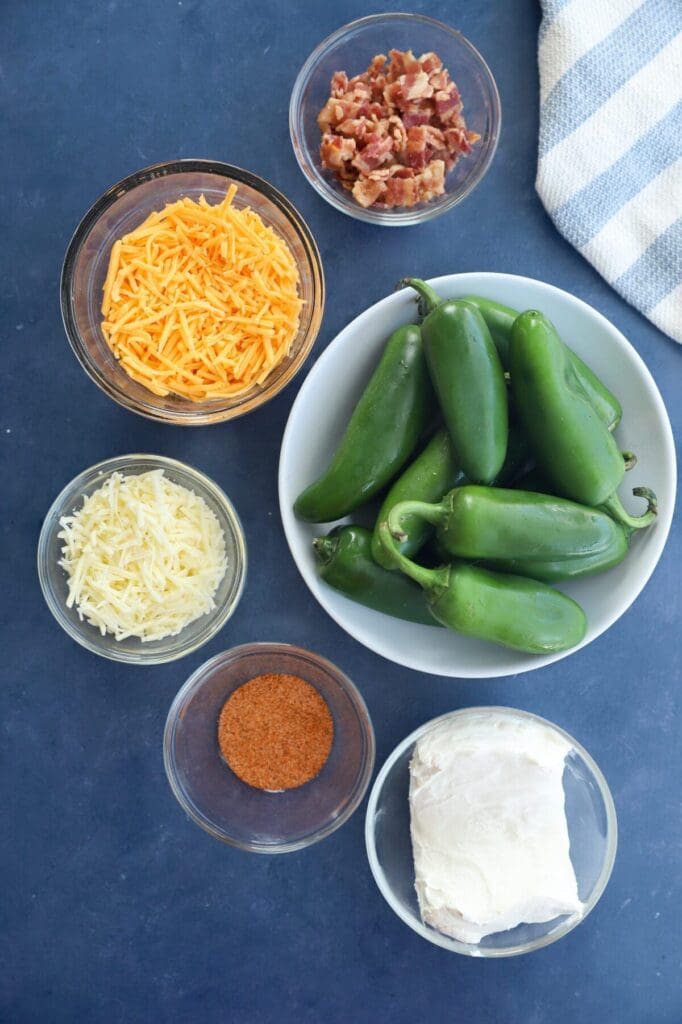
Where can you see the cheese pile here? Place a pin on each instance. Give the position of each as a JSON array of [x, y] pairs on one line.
[[143, 555], [201, 301]]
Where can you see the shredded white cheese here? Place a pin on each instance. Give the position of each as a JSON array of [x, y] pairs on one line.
[[144, 557]]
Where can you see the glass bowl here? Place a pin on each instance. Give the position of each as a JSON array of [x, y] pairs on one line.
[[123, 207], [350, 49], [236, 813], [592, 833], [53, 579]]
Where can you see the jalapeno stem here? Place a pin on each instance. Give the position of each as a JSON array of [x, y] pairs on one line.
[[630, 460], [614, 507], [430, 513], [426, 578], [428, 298], [325, 548]]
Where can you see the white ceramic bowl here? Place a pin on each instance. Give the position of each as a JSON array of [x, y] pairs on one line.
[[324, 405]]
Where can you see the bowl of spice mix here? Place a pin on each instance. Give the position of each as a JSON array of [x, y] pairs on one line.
[[269, 747]]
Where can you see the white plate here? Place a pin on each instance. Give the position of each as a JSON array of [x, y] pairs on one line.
[[324, 405]]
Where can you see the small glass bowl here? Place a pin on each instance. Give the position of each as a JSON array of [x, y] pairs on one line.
[[592, 831], [123, 207], [350, 49], [236, 813], [53, 579]]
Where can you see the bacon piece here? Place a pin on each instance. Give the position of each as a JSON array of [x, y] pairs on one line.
[[367, 191], [361, 92], [457, 141], [371, 110], [402, 63], [335, 151], [339, 84], [397, 131], [430, 62], [417, 154], [406, 90], [414, 114], [334, 111], [440, 80], [431, 182], [356, 127], [415, 87], [373, 155], [401, 192], [448, 105]]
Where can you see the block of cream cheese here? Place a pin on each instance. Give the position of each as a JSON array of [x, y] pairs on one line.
[[488, 823]]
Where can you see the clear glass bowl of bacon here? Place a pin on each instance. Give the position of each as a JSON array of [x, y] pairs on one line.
[[395, 118]]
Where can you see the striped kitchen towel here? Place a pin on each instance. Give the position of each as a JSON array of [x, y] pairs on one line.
[[610, 152]]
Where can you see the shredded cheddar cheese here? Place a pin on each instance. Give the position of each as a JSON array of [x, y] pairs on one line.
[[144, 557], [201, 301]]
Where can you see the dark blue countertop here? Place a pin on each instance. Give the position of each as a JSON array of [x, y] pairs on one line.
[[115, 907]]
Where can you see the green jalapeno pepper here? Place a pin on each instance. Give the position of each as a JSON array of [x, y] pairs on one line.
[[468, 379], [549, 571], [500, 320], [345, 562], [510, 610], [383, 431], [495, 523], [432, 474], [572, 445]]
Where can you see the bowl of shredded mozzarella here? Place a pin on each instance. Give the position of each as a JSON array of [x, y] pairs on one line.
[[142, 559]]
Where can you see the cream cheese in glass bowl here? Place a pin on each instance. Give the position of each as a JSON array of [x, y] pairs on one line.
[[491, 832]]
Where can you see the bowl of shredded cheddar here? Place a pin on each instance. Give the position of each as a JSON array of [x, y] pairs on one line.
[[192, 292]]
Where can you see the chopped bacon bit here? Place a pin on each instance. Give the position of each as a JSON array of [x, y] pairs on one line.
[[415, 87], [448, 105], [390, 133], [398, 132], [440, 80], [431, 182], [430, 63], [368, 190], [339, 84], [456, 140], [356, 127], [373, 155], [401, 192], [336, 150], [415, 114]]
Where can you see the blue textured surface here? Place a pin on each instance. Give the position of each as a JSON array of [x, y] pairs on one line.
[[115, 907]]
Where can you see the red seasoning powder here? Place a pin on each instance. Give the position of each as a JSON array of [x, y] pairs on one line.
[[275, 732]]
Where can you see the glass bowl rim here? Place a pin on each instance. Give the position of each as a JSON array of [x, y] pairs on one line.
[[195, 681], [448, 942], [194, 415], [387, 218], [51, 521]]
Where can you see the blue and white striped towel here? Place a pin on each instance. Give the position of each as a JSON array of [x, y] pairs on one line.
[[610, 153]]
